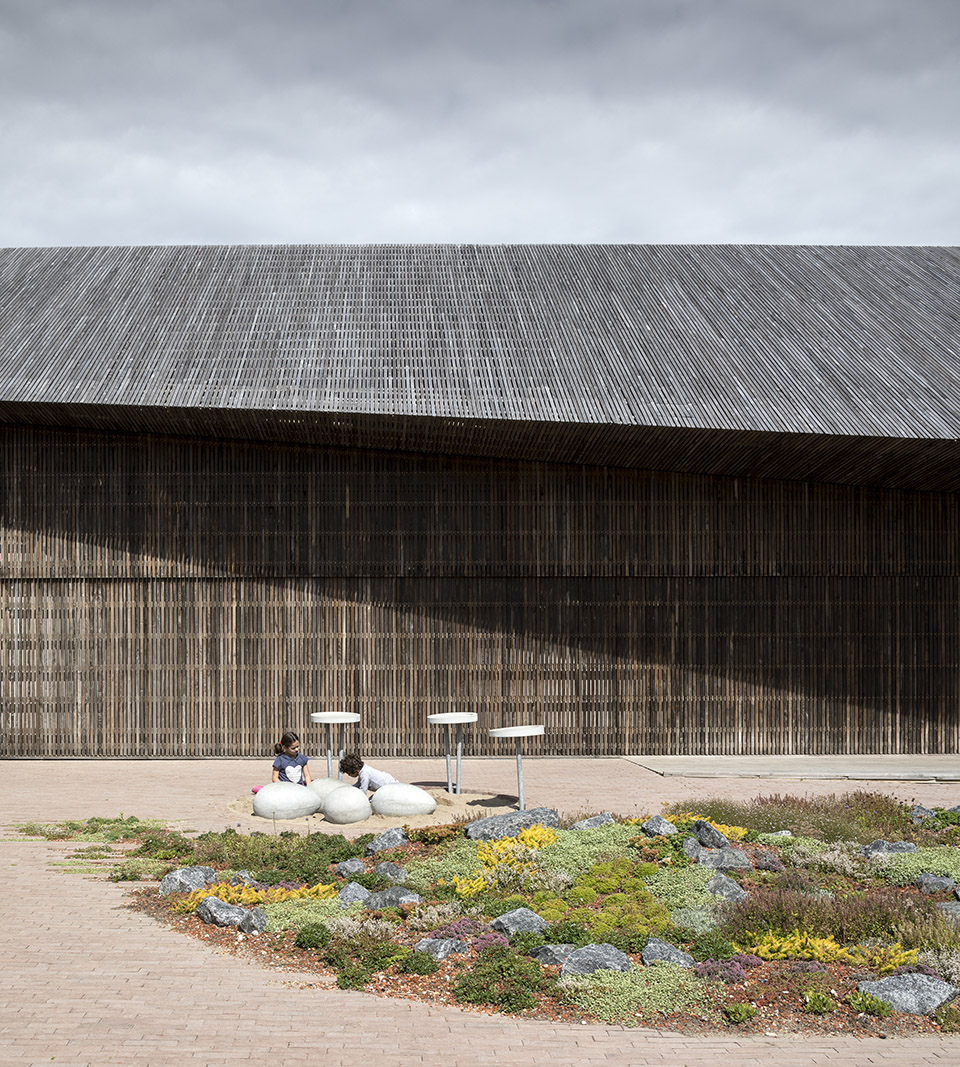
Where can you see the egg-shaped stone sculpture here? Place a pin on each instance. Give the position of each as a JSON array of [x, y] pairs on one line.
[[323, 786], [346, 805], [399, 798], [284, 800]]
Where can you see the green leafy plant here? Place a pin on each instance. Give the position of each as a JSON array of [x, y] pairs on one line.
[[817, 1003], [947, 1018], [739, 1012], [418, 963], [622, 996], [711, 945], [503, 978], [869, 1004], [312, 936]]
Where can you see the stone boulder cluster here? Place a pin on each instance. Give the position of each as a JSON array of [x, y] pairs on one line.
[[213, 909], [340, 802]]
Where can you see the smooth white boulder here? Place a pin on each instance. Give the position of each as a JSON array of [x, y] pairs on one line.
[[284, 800], [346, 805], [399, 798], [323, 786]]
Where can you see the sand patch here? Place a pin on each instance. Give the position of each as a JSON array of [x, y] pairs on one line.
[[451, 807]]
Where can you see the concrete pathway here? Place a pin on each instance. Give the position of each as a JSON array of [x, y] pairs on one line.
[[851, 768], [90, 982]]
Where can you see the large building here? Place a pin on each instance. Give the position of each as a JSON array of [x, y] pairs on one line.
[[662, 499]]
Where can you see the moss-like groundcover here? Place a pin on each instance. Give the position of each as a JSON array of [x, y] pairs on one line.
[[820, 916]]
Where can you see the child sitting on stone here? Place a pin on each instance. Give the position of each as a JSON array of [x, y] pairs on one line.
[[368, 778]]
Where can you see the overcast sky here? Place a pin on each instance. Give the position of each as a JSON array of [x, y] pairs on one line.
[[247, 121]]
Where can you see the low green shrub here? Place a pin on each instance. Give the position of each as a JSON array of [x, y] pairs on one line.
[[682, 888], [575, 850], [456, 859], [299, 913], [869, 1004], [622, 996], [817, 1003], [903, 868], [418, 963], [526, 942], [312, 936], [139, 869], [948, 1018], [502, 978], [567, 933], [739, 1012], [97, 828], [711, 945], [856, 816]]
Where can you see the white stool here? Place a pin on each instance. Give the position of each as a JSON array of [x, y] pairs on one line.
[[329, 718], [518, 732], [448, 719]]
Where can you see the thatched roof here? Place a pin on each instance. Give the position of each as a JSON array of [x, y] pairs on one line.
[[831, 363]]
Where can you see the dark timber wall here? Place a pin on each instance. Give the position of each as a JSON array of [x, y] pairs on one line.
[[168, 597]]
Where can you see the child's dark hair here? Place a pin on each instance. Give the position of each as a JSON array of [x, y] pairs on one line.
[[285, 742], [351, 764]]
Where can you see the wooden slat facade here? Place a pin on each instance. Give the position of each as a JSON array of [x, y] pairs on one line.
[[170, 597]]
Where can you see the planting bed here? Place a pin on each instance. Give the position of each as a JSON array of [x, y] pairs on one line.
[[819, 918]]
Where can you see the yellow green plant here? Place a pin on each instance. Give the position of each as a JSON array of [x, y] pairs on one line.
[[685, 820], [247, 896], [506, 860], [882, 959]]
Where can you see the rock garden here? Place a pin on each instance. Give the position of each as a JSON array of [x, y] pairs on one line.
[[776, 914]]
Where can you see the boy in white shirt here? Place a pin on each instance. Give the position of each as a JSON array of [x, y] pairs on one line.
[[368, 778]]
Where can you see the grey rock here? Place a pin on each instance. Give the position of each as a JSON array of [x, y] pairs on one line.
[[781, 833], [353, 893], [767, 861], [951, 909], [878, 847], [708, 836], [393, 872], [692, 847], [243, 878], [955, 810], [219, 912], [913, 994], [350, 866], [657, 826], [593, 822], [724, 859], [551, 955], [726, 888], [186, 880], [934, 883], [699, 920], [520, 920], [394, 897], [510, 824], [590, 958], [440, 947], [254, 922], [396, 835], [657, 951], [918, 813]]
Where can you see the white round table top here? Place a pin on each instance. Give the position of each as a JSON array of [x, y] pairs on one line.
[[334, 716], [452, 717], [517, 731]]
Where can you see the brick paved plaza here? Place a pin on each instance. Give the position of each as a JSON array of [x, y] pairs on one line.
[[89, 983]]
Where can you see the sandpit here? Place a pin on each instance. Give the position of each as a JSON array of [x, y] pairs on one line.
[[451, 807]]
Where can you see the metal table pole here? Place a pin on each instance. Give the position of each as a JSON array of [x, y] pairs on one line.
[[329, 751], [459, 750], [520, 774], [449, 777], [343, 734]]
